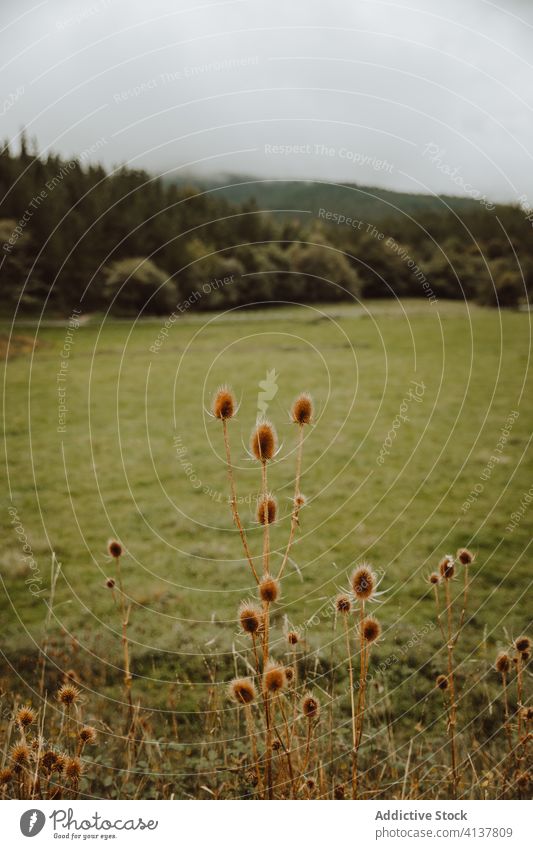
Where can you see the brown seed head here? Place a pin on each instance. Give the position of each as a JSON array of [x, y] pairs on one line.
[[522, 643], [447, 567], [224, 404], [20, 755], [293, 638], [71, 677], [73, 769], [465, 556], [276, 745], [242, 691], [523, 779], [274, 677], [502, 662], [87, 735], [6, 775], [339, 791], [364, 582], [68, 695], [311, 784], [269, 589], [289, 674], [25, 717], [263, 441], [310, 706], [114, 548], [302, 409], [371, 629], [110, 583], [48, 760], [299, 501], [434, 578], [267, 510], [442, 682], [60, 763], [343, 604], [525, 655], [250, 617]]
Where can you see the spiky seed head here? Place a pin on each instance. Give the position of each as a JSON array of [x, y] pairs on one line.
[[289, 674], [224, 403], [20, 755], [48, 760], [6, 775], [60, 763], [522, 644], [525, 655], [442, 682], [363, 581], [343, 604], [502, 662], [269, 589], [276, 745], [242, 691], [465, 556], [267, 509], [527, 713], [523, 779], [71, 677], [87, 735], [274, 677], [339, 791], [114, 548], [310, 706], [25, 717], [371, 629], [302, 409], [110, 583], [447, 567], [68, 695], [73, 769], [293, 637], [310, 783], [250, 617], [434, 578], [263, 441], [299, 501]]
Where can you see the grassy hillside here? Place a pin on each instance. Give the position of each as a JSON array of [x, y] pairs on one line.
[[368, 203]]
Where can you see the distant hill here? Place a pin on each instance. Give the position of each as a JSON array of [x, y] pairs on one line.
[[367, 203]]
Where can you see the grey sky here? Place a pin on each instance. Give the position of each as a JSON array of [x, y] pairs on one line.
[[360, 88]]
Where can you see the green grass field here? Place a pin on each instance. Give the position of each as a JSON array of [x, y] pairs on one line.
[[139, 459]]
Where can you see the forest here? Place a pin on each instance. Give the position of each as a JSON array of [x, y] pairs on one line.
[[74, 234]]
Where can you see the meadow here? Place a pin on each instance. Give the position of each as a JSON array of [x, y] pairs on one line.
[[419, 446]]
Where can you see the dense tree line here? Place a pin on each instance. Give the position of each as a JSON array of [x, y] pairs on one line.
[[72, 233]]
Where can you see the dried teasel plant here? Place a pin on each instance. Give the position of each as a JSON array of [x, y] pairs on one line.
[[450, 631], [255, 621]]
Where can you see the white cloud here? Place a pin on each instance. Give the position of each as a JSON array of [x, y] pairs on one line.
[[169, 84]]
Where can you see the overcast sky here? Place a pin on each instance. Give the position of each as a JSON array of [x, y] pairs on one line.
[[417, 95]]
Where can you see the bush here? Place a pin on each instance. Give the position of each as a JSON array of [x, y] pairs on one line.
[[138, 285]]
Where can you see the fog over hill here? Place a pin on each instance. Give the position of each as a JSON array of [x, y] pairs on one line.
[[318, 198]]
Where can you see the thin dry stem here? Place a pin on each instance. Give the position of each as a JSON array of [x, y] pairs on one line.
[[296, 505], [234, 509]]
